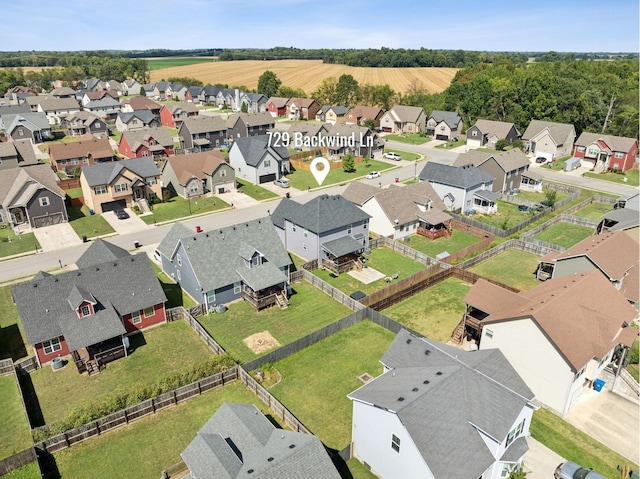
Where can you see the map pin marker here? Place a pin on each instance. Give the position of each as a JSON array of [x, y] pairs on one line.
[[320, 174]]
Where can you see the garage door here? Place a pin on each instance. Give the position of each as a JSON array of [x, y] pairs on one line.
[[442, 137], [113, 205], [474, 143], [41, 221], [267, 178]]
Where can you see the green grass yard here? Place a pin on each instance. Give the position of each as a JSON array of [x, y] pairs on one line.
[[88, 225], [153, 354], [13, 342], [11, 243], [169, 62], [315, 382], [410, 138], [309, 309], [254, 191], [564, 234], [594, 211], [178, 207], [175, 295], [457, 241], [433, 312], [74, 192], [15, 433], [506, 217], [30, 471], [302, 179], [452, 144], [406, 155], [513, 267], [632, 177]]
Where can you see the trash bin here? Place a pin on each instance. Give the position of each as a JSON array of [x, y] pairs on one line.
[[397, 180], [56, 363], [91, 212], [84, 239], [597, 384], [198, 229], [136, 244]]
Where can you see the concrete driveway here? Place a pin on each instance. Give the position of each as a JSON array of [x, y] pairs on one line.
[[56, 236], [540, 462], [130, 225]]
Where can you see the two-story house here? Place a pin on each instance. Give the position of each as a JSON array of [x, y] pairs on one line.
[[302, 108], [66, 157], [506, 167], [85, 122], [146, 142], [403, 119], [488, 132], [173, 114], [202, 133], [549, 139], [136, 119], [604, 152], [198, 174], [360, 114], [257, 161], [444, 125], [241, 125]]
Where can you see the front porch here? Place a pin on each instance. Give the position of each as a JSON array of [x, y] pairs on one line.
[[92, 359]]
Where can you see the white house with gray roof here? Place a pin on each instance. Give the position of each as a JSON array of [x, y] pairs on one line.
[[258, 160], [438, 412], [238, 441], [403, 119], [462, 188], [243, 261], [549, 139], [444, 125], [31, 126]]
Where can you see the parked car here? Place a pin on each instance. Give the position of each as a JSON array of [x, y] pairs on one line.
[[282, 183], [571, 470], [372, 175], [392, 156], [541, 159], [121, 214]]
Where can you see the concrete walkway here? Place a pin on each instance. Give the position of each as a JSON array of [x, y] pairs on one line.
[[56, 237], [540, 462]]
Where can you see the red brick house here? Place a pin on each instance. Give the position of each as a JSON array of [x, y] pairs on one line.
[[302, 108], [277, 106], [88, 151], [89, 312], [146, 142], [606, 151], [172, 114], [360, 113]]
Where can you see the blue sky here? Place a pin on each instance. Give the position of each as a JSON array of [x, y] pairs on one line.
[[490, 25]]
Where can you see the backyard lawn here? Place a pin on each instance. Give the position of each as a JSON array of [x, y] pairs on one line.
[[15, 433], [87, 225], [178, 207], [254, 191], [631, 176], [594, 211], [12, 338], [383, 260], [11, 244], [410, 138], [315, 382], [574, 445], [309, 309], [30, 471], [457, 241], [433, 312], [175, 294], [152, 355], [513, 267], [507, 216], [302, 179], [150, 445], [564, 234]]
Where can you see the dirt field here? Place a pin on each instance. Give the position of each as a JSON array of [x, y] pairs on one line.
[[260, 342], [308, 74]]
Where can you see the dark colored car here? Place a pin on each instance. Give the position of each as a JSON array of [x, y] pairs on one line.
[[571, 470], [541, 159], [121, 214]]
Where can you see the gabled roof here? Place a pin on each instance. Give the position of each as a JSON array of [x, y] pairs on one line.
[[255, 97], [558, 131], [306, 129], [303, 102], [464, 177], [198, 165], [451, 118], [445, 398], [215, 255], [85, 117], [238, 441], [100, 251], [499, 129], [53, 104], [181, 106], [254, 148], [140, 136], [63, 91], [204, 124], [367, 112], [510, 160], [34, 121], [96, 147], [21, 149], [17, 185], [251, 119], [278, 101], [615, 143], [145, 116], [195, 90], [14, 109], [339, 110], [320, 215], [118, 286], [406, 114], [105, 173], [211, 90], [142, 103], [624, 218], [105, 102], [99, 95]]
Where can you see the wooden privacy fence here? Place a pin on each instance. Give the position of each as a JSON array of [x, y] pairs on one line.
[[27, 365], [329, 290], [179, 312], [133, 413], [403, 249], [6, 367], [17, 460]]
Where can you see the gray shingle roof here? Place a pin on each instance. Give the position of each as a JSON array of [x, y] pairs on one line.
[[239, 441], [100, 251], [498, 128], [32, 120], [342, 246], [253, 149], [13, 182], [140, 136], [447, 396], [616, 143], [251, 119], [509, 160], [54, 104], [104, 173], [451, 118], [406, 113], [558, 131], [120, 286], [320, 215], [487, 195], [145, 116], [204, 124], [461, 177], [339, 110]]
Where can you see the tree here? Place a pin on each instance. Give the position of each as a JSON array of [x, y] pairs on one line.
[[288, 92], [186, 81], [268, 84], [369, 123], [326, 91], [501, 144], [142, 92], [244, 108], [348, 164], [550, 197], [346, 92]]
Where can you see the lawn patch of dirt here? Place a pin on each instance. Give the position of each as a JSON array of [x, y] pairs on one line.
[[260, 342]]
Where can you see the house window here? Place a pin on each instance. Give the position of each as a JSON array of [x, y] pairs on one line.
[[211, 297], [395, 443], [85, 160], [349, 229], [135, 316], [237, 287], [179, 275], [506, 470], [75, 161], [293, 227], [619, 154], [304, 245], [581, 372], [145, 153], [44, 201], [365, 223], [593, 151], [100, 190], [514, 433], [20, 132], [52, 346], [193, 188], [442, 128], [85, 310], [255, 261], [151, 180], [474, 133], [305, 233], [488, 332], [179, 259], [63, 162], [223, 173], [581, 149], [148, 312], [267, 163], [121, 187]]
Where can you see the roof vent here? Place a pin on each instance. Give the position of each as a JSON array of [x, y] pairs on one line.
[[269, 459], [415, 390], [292, 446], [439, 373], [409, 341], [55, 280], [250, 471], [78, 273], [35, 285], [427, 352], [97, 269], [206, 235], [400, 399], [426, 381], [234, 228]]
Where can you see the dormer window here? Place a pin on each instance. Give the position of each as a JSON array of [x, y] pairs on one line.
[[255, 261], [85, 310]]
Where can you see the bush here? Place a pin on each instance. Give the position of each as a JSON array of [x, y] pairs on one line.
[[136, 209], [502, 144]]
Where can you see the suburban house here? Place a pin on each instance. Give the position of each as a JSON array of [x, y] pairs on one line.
[[277, 106], [198, 174], [624, 216], [159, 90], [16, 95], [30, 196], [255, 160], [242, 125], [131, 87], [238, 441], [173, 114], [531, 181], [63, 92], [136, 119], [141, 103], [120, 184], [90, 96], [549, 139], [506, 167], [193, 94], [360, 113], [606, 152], [400, 211], [444, 125], [245, 261], [357, 140], [92, 84], [614, 254], [66, 157], [302, 108], [572, 325], [306, 136], [202, 133], [329, 229], [462, 188], [88, 312], [26, 126], [488, 132], [255, 102], [177, 91], [107, 107], [83, 122], [439, 412], [146, 142], [17, 153], [56, 108], [403, 119], [332, 114], [209, 95]]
